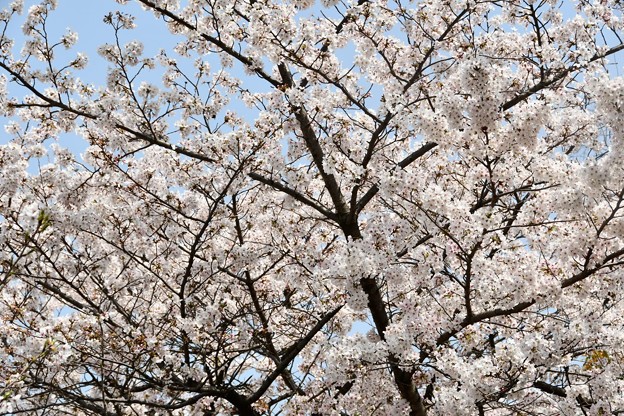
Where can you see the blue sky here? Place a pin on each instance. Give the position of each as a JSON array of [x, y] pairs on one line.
[[86, 19]]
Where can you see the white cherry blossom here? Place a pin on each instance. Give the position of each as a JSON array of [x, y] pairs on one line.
[[314, 207]]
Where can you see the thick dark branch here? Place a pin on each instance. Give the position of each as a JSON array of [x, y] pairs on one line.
[[313, 145], [161, 143], [402, 377], [376, 305], [291, 353], [588, 272], [137, 135], [341, 24], [423, 150], [444, 337], [216, 42], [550, 389], [266, 333], [93, 403], [557, 77], [421, 241], [198, 240], [297, 195], [468, 281], [60, 293], [421, 66]]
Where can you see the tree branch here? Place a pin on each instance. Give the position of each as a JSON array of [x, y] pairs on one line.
[[423, 150], [291, 353], [297, 195]]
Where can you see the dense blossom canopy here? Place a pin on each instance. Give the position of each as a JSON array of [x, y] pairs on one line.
[[371, 207]]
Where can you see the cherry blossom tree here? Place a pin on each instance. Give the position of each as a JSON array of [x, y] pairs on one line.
[[371, 207]]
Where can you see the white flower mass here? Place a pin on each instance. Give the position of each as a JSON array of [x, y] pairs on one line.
[[302, 207]]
